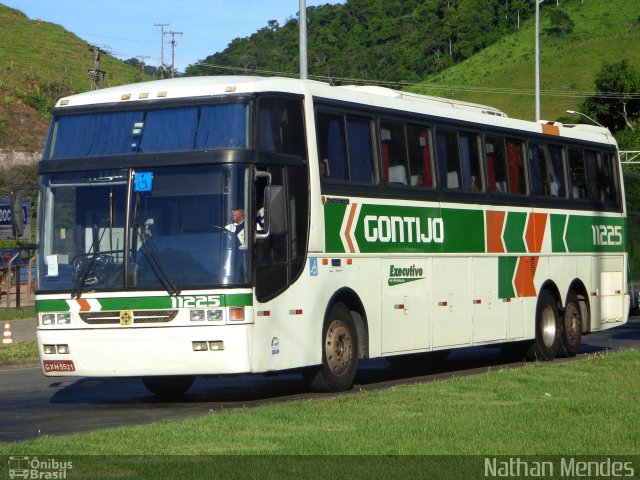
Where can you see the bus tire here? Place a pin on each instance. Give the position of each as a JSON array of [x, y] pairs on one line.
[[571, 327], [545, 345], [171, 386], [339, 352]]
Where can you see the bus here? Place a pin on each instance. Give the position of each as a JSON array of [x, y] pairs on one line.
[[237, 224]]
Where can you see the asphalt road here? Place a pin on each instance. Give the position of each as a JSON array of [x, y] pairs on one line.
[[32, 405]]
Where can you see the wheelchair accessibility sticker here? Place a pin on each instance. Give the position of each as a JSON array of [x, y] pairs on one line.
[[313, 267]]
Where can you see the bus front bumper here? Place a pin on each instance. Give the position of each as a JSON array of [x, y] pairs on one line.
[[129, 352]]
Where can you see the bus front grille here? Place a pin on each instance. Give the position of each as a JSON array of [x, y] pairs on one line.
[[139, 316]]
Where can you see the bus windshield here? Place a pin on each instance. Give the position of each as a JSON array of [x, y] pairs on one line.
[[167, 228], [138, 131]]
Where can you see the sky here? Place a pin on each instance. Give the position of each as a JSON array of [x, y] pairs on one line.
[[126, 28]]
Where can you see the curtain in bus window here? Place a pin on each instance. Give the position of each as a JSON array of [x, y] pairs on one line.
[[591, 168], [360, 150], [514, 166], [335, 150], [426, 158], [490, 147], [465, 161], [169, 130], [556, 172], [94, 134], [536, 181], [441, 156], [222, 126]]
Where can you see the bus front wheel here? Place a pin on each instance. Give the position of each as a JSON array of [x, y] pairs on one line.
[[545, 345], [339, 353]]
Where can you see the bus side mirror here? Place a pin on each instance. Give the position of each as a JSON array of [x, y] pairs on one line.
[[274, 212], [17, 215]]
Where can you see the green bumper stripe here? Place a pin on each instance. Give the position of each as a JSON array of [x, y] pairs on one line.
[[148, 303]]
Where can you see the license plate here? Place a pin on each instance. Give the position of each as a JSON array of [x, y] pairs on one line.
[[59, 366]]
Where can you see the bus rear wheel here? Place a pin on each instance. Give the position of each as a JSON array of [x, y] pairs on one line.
[[172, 386], [339, 353], [571, 327], [545, 345]]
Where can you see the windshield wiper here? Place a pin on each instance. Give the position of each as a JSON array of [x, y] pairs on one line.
[[150, 251], [85, 267]]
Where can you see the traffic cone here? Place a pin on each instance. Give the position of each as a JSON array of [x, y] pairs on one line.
[[6, 336]]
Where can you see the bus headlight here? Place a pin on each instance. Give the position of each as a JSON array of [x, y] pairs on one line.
[[63, 349], [197, 315], [49, 349], [64, 318], [48, 319], [214, 315]]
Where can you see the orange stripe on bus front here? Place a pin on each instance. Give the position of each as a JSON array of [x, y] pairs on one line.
[[85, 306]]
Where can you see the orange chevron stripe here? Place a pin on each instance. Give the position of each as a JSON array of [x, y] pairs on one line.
[[84, 305], [525, 273], [535, 231], [495, 222], [347, 232]]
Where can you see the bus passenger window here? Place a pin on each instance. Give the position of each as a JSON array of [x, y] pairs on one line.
[[394, 153], [515, 168], [420, 167], [448, 159], [577, 174], [496, 164], [609, 179], [591, 168], [360, 149], [505, 166], [556, 171], [281, 126], [547, 174], [332, 145], [470, 162]]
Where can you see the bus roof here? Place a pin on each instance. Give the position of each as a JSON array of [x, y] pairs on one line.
[[190, 87]]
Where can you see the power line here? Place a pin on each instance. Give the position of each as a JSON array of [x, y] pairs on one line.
[[438, 86]]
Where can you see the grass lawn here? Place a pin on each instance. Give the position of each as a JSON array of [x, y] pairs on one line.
[[556, 412], [17, 313], [588, 407], [19, 351]]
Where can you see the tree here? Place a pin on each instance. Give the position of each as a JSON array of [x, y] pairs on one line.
[[616, 103], [561, 22]]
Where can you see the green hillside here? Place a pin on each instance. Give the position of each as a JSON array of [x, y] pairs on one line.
[[502, 75], [39, 63]]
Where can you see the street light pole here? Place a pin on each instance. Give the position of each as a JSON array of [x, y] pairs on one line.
[[573, 112]]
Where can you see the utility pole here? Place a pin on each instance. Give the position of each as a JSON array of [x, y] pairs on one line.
[[162, 25], [173, 47], [95, 73], [141, 59]]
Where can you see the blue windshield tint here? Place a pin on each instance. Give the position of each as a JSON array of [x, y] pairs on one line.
[[149, 131]]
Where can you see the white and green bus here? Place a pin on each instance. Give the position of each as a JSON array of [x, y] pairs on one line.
[[233, 225]]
